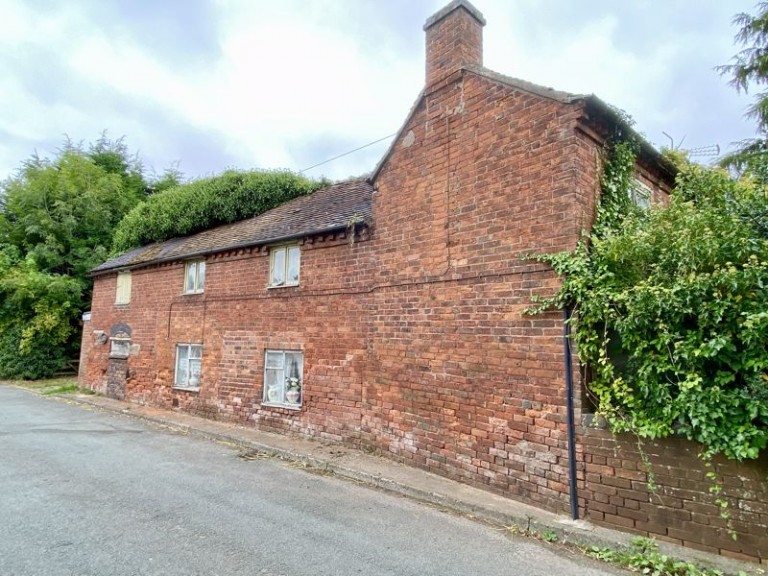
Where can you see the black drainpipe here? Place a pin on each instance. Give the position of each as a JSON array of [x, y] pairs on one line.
[[570, 414]]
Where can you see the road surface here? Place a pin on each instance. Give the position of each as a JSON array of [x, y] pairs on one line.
[[84, 492]]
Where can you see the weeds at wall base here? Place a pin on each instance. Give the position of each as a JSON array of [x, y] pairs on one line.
[[642, 555]]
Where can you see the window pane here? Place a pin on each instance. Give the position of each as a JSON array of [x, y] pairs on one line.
[[278, 267], [182, 374], [182, 364], [190, 279], [640, 193], [274, 360], [200, 276], [194, 372], [293, 367], [274, 386], [196, 352], [293, 264]]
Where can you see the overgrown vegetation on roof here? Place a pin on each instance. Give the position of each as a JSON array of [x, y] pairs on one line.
[[202, 204]]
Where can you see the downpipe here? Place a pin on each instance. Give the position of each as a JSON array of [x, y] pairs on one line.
[[571, 427]]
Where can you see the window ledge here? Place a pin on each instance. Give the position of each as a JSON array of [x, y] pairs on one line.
[[278, 286], [287, 406], [193, 293], [186, 388]]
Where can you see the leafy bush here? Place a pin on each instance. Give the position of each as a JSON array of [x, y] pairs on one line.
[[202, 204], [671, 311], [38, 316], [38, 362]]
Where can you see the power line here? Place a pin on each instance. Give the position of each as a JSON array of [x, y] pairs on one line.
[[347, 153]]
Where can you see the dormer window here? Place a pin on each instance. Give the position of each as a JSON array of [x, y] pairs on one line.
[[284, 263], [194, 277]]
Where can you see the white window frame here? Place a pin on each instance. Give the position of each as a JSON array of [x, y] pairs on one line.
[[279, 367], [189, 363], [194, 271], [279, 271], [640, 193], [123, 288]]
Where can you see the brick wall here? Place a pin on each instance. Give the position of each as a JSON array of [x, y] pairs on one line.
[[460, 381], [236, 319], [681, 509]]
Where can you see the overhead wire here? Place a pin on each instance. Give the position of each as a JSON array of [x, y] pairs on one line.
[[348, 152]]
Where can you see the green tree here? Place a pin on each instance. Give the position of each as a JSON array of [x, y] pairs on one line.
[[62, 212], [749, 69], [57, 217]]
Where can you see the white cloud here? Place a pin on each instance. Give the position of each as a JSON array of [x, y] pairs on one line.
[[291, 83]]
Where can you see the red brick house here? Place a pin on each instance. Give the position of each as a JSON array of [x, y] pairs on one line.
[[388, 312]]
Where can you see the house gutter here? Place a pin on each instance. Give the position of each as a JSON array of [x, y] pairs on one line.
[[570, 418]]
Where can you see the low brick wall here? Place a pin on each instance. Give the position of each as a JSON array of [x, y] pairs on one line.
[[681, 509]]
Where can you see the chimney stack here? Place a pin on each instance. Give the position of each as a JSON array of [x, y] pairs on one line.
[[454, 39]]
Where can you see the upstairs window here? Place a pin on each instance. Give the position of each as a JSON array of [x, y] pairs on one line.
[[189, 361], [123, 291], [283, 378], [194, 277], [640, 193], [284, 262]]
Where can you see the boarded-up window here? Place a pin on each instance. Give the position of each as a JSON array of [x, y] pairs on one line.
[[123, 292]]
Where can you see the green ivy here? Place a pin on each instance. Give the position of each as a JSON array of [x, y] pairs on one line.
[[671, 308], [207, 202]]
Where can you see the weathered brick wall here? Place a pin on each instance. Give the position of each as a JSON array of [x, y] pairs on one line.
[[681, 509], [460, 381], [236, 319]]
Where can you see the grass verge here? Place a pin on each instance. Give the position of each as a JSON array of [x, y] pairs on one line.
[[51, 386]]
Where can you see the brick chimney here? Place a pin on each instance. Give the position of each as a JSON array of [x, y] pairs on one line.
[[454, 39]]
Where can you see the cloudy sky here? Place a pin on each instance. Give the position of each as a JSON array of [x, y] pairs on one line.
[[214, 84]]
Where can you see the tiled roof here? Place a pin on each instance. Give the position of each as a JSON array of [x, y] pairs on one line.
[[325, 210]]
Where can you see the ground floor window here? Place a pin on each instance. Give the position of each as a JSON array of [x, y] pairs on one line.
[[283, 378], [189, 360]]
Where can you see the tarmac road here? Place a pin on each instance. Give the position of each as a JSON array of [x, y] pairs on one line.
[[90, 493]]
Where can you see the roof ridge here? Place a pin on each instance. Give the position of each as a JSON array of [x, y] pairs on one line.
[[533, 88]]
